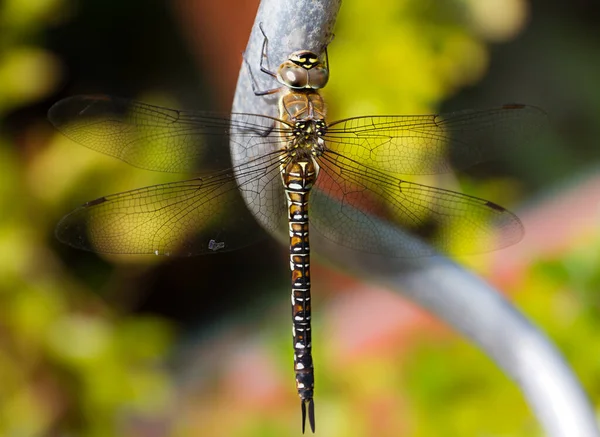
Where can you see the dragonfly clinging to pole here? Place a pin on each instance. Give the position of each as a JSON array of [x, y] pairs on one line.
[[345, 175]]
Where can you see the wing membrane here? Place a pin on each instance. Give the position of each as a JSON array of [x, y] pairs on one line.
[[157, 138], [191, 217], [356, 192], [353, 200], [432, 144]]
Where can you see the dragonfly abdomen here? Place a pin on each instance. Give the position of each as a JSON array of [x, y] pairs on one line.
[[298, 178]]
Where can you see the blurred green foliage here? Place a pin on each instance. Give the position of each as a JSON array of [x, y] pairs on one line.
[[27, 72], [68, 362], [402, 57], [72, 364]]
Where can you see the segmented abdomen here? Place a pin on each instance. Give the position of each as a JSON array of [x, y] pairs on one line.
[[298, 178]]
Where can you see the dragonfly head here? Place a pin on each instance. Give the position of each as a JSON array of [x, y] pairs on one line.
[[303, 70]]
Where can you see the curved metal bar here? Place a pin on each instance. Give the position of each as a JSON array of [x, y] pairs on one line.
[[453, 294]]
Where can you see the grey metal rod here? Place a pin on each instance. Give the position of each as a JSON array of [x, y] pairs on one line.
[[441, 286]]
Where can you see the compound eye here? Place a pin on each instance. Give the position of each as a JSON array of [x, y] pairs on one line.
[[318, 77], [293, 76]]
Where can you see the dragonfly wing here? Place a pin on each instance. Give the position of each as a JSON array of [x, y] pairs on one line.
[[371, 211], [432, 144], [157, 138], [192, 217]]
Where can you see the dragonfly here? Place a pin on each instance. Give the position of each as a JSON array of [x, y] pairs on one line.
[[347, 174]]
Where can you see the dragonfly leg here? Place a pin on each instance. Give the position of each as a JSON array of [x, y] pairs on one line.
[[267, 70], [331, 36], [263, 55], [254, 84]]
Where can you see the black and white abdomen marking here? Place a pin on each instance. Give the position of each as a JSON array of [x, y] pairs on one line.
[[298, 178]]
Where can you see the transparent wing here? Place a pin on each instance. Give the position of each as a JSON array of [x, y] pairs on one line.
[[432, 144], [161, 139], [192, 217], [207, 214], [372, 211]]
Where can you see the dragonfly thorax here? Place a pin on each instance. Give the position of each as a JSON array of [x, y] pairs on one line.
[[303, 70], [306, 138]]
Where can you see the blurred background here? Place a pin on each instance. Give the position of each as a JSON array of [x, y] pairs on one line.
[[95, 345]]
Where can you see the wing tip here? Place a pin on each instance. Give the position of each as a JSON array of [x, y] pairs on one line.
[[73, 107]]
